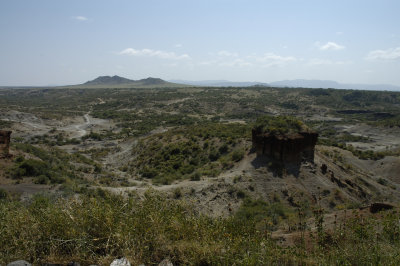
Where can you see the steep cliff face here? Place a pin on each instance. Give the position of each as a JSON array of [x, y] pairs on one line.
[[4, 143], [291, 148]]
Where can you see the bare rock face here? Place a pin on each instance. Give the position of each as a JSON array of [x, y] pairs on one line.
[[284, 139], [380, 206], [293, 148], [4, 143]]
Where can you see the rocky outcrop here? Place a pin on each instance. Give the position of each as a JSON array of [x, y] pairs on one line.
[[125, 262], [290, 148], [19, 263], [4, 143], [120, 262]]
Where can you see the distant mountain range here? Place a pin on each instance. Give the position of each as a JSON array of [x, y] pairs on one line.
[[297, 83], [219, 83], [304, 83], [115, 80], [120, 82]]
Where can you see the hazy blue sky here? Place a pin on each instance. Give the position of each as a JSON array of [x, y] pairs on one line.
[[69, 42]]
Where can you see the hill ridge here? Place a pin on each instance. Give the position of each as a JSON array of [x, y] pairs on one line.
[[103, 82], [113, 80]]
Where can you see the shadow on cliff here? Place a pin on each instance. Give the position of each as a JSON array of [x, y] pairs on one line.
[[278, 168]]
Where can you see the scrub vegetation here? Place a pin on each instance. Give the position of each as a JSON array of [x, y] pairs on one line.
[[170, 172], [96, 229]]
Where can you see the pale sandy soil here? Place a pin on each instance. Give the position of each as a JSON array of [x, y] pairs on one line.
[[27, 125], [381, 139], [219, 196]]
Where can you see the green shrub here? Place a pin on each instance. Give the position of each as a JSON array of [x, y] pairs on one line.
[[93, 135], [52, 166], [29, 167], [42, 179], [3, 194], [214, 155], [223, 149], [259, 210], [240, 194], [237, 155], [278, 125], [149, 172], [177, 193], [382, 181], [195, 176]]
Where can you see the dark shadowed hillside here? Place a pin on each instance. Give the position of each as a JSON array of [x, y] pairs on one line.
[[109, 80]]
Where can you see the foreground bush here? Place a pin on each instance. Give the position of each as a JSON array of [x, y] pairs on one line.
[[95, 230], [101, 228]]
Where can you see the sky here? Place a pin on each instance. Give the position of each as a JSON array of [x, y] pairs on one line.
[[48, 42]]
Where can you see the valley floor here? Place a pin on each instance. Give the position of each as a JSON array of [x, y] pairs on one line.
[[203, 161]]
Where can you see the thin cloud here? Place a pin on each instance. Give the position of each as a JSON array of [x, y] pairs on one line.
[[230, 59], [329, 46], [208, 63], [227, 54], [80, 18], [153, 53], [271, 59], [236, 63], [319, 62], [389, 54]]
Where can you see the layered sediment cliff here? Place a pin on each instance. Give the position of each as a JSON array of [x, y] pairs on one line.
[[4, 143], [284, 139], [286, 148]]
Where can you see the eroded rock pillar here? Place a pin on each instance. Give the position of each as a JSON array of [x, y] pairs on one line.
[[5, 143]]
